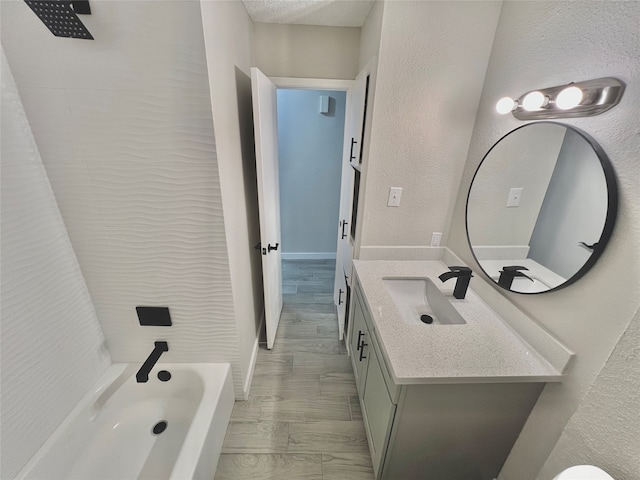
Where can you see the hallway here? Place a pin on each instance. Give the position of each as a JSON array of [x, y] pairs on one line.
[[302, 420]]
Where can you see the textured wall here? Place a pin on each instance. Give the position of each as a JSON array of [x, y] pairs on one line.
[[228, 40], [540, 44], [51, 343], [514, 162], [432, 62], [124, 127], [310, 162], [370, 33], [306, 51], [605, 429]]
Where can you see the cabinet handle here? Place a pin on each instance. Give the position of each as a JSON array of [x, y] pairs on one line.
[[340, 292], [353, 142], [344, 235], [362, 357], [358, 345]]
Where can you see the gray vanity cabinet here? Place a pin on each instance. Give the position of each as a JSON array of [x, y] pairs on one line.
[[358, 344], [453, 431], [378, 407]]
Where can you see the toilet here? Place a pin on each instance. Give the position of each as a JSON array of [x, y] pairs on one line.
[[583, 472]]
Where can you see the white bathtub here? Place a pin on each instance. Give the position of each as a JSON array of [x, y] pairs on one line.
[[108, 435]]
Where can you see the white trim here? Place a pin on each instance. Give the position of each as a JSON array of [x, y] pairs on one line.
[[309, 256], [312, 83], [252, 362]]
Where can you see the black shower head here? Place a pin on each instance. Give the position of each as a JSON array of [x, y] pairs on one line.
[[60, 16]]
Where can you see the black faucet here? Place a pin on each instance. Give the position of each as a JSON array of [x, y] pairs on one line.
[[463, 275], [507, 274], [143, 374]]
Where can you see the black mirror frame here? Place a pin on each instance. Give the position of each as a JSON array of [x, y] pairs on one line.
[[610, 220]]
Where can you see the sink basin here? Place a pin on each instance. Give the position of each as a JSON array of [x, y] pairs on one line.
[[419, 302]]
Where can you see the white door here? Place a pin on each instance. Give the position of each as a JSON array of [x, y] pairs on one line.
[[352, 146], [265, 123]]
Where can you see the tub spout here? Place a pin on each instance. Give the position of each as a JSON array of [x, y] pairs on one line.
[[143, 374]]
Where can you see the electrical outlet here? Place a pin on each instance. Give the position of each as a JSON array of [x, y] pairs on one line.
[[514, 197], [436, 237], [395, 193]]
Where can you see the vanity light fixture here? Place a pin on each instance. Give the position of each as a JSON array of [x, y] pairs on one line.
[[506, 105], [534, 101], [579, 99], [569, 98]]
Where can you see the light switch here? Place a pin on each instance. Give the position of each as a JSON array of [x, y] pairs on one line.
[[394, 197], [514, 197], [436, 238]]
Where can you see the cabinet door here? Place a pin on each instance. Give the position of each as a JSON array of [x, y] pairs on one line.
[[341, 300], [378, 411], [359, 344]]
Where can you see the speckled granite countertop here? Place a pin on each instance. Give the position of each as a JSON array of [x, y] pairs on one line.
[[484, 350]]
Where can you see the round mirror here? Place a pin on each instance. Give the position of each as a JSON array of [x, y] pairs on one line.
[[541, 207]]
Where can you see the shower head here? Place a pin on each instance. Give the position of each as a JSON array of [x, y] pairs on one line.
[[60, 16]]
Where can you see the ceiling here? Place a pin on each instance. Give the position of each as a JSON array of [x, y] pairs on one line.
[[334, 13]]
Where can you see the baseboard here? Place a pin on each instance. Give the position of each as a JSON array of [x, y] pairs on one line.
[[252, 362], [309, 256]]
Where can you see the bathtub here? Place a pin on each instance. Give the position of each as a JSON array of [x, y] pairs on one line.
[[110, 433]]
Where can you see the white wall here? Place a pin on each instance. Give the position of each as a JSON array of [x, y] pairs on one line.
[[306, 51], [541, 44], [431, 66], [574, 209], [605, 428], [51, 343], [516, 162], [228, 41], [124, 127], [370, 34], [310, 162]]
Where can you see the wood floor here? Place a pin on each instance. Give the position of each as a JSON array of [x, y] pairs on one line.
[[302, 420]]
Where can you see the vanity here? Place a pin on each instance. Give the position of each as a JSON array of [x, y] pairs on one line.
[[445, 383], [444, 400]]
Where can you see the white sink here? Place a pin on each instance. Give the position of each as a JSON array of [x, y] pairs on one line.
[[417, 297]]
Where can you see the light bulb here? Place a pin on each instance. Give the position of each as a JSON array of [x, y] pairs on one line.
[[569, 98], [534, 101], [505, 105]]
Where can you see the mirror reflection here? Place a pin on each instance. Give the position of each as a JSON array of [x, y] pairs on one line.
[[541, 207]]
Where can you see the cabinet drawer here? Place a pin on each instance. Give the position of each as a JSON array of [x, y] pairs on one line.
[[378, 411]]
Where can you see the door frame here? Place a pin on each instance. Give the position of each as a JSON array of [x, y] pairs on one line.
[[312, 83], [347, 86]]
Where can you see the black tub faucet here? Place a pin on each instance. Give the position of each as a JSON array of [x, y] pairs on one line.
[[143, 374], [507, 274], [463, 275]]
